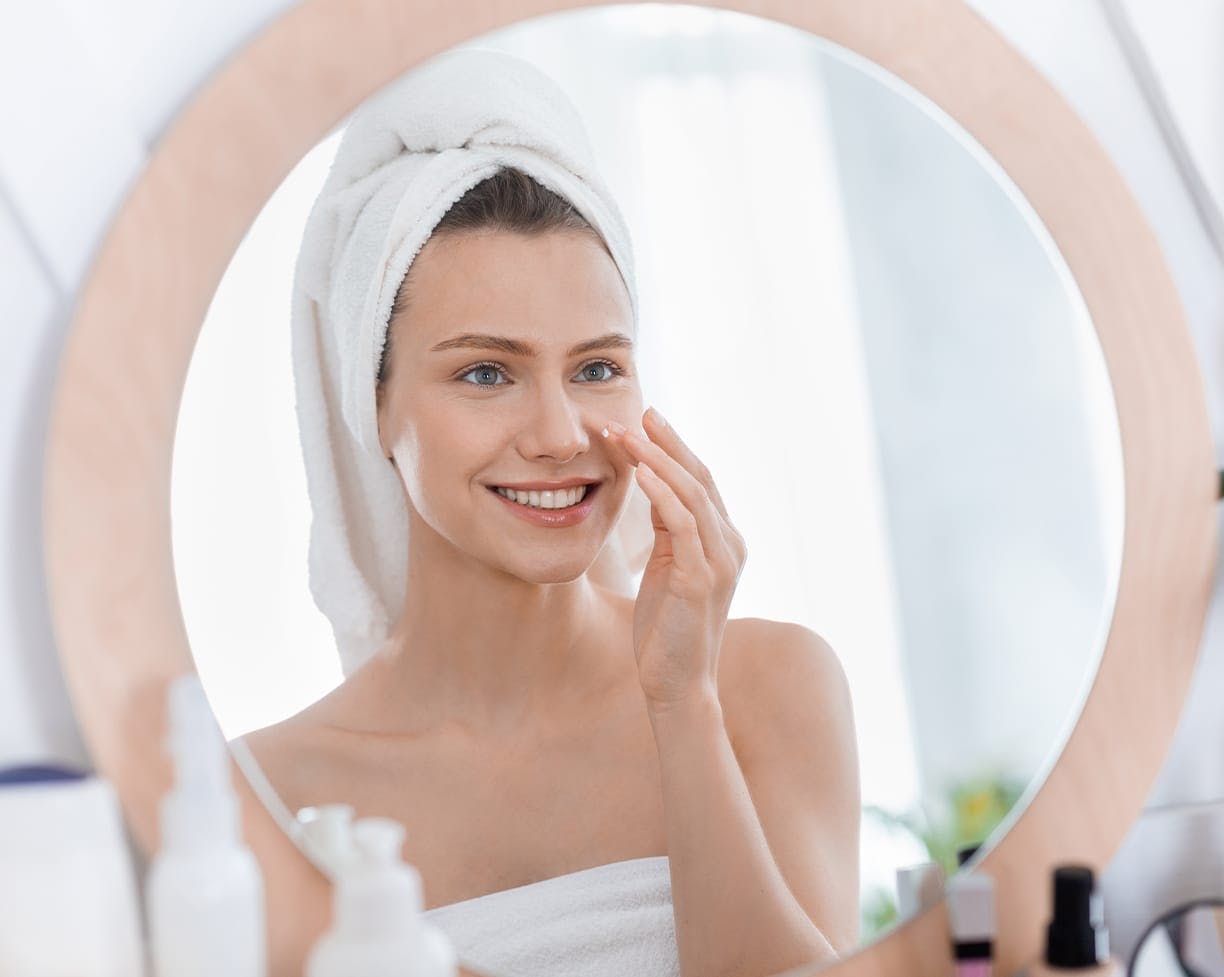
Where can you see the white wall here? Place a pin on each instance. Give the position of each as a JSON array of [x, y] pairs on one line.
[[112, 74]]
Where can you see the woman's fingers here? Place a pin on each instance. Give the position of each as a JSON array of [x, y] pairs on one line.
[[686, 543], [615, 433], [688, 486], [665, 435]]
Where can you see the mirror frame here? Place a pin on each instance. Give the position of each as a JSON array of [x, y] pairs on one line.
[[109, 565], [1168, 914]]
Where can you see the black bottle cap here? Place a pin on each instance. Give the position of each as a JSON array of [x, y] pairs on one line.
[[1076, 936], [964, 854]]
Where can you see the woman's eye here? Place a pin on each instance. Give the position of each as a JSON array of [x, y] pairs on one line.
[[597, 371], [483, 370], [592, 371]]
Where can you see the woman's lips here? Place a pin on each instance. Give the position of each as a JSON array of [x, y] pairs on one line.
[[552, 518]]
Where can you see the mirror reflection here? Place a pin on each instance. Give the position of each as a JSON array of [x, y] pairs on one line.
[[889, 419], [1185, 942]]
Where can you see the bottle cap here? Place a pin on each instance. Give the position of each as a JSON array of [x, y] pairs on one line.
[[918, 887], [1076, 936], [377, 894], [327, 834]]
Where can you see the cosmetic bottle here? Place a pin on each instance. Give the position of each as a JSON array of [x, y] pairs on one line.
[[378, 926], [204, 891], [1077, 941], [326, 832], [971, 914], [919, 887], [68, 887]]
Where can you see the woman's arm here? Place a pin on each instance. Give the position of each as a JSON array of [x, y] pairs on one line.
[[749, 901], [763, 887]]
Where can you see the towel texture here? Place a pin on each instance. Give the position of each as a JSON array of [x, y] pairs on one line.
[[407, 155], [609, 921]]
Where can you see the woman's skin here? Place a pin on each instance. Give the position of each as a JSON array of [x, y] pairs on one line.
[[523, 721]]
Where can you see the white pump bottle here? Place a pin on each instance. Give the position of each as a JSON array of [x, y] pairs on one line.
[[204, 890], [378, 929]]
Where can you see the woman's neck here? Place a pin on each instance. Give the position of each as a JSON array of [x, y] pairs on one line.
[[480, 648]]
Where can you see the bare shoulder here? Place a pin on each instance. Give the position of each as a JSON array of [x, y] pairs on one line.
[[779, 680], [275, 741], [291, 755]]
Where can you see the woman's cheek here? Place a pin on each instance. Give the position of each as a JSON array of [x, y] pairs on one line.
[[623, 404]]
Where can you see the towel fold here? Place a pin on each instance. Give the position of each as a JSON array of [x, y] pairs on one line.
[[613, 920], [407, 155]]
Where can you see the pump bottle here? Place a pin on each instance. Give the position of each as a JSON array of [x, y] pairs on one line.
[[378, 926], [204, 890]]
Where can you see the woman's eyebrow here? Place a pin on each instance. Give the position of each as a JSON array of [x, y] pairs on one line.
[[516, 347]]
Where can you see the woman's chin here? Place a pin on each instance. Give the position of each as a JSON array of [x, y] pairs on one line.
[[554, 567]]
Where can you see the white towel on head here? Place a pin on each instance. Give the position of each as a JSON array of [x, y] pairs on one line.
[[407, 155]]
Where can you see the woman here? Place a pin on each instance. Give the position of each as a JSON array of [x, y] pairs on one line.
[[527, 722]]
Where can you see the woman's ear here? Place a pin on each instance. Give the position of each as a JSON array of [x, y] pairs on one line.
[[379, 409]]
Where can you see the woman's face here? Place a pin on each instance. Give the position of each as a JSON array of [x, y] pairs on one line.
[[488, 387]]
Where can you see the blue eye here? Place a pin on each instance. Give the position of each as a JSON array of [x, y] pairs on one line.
[[485, 368], [612, 368], [490, 369]]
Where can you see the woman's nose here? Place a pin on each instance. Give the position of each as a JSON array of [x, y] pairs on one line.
[[557, 428]]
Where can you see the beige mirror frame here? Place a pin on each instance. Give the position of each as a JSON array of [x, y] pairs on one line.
[[109, 563]]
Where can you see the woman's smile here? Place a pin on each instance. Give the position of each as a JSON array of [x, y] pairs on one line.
[[551, 509]]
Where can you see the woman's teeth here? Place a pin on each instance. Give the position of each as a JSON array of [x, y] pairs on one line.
[[557, 499]]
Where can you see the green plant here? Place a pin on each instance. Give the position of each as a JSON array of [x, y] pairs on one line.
[[879, 913], [967, 813]]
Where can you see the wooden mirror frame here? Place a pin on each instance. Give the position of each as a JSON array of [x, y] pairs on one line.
[[109, 563]]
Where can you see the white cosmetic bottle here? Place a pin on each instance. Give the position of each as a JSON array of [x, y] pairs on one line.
[[919, 887], [326, 832], [204, 890], [378, 929]]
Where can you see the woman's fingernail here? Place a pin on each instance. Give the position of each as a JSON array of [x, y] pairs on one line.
[[657, 417], [615, 428]]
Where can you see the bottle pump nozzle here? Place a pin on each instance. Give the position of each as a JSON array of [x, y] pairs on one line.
[[201, 810], [377, 891]]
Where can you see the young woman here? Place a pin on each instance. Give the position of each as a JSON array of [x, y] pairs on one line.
[[525, 722]]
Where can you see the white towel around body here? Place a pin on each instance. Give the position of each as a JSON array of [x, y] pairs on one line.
[[613, 920]]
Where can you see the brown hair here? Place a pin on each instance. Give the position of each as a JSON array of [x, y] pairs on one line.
[[509, 200]]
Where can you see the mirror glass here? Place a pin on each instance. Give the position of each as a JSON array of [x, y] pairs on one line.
[[857, 323], [1186, 942]]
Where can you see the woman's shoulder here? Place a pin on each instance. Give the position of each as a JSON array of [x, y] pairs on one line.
[[292, 754], [757, 650], [276, 739], [778, 679]]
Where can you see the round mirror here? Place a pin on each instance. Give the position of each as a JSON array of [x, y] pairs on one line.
[[855, 320], [933, 608], [1185, 942]]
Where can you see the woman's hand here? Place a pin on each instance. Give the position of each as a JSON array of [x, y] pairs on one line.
[[688, 582]]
